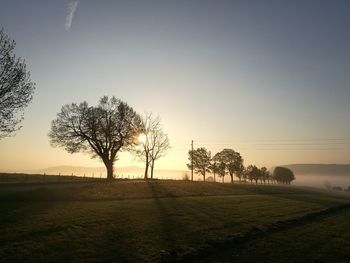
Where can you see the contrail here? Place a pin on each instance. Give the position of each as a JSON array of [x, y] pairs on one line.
[[72, 6]]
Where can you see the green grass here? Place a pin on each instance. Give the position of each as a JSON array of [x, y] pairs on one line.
[[133, 221]]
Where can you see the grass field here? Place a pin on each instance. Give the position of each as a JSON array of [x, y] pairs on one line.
[[163, 221]]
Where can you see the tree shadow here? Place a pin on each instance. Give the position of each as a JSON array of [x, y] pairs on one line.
[[165, 212]]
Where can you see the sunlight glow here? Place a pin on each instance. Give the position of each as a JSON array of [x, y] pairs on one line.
[[141, 138]]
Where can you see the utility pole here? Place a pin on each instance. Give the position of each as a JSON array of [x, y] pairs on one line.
[[192, 161]]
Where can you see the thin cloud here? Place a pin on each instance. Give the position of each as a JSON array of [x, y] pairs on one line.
[[72, 6]]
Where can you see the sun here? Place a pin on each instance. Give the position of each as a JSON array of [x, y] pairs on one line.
[[141, 138]]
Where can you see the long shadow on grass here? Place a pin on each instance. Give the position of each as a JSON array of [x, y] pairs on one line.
[[166, 222], [228, 250], [168, 211]]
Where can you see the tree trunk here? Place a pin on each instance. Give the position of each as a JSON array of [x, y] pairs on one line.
[[109, 166], [223, 179], [204, 176], [214, 178], [146, 167], [152, 169], [231, 179]]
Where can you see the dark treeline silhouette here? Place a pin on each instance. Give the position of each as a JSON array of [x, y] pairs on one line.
[[230, 162]]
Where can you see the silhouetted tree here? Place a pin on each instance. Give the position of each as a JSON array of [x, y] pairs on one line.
[[221, 170], [103, 130], [185, 177], [153, 142], [159, 144], [283, 175], [201, 161], [240, 171], [271, 178], [16, 88], [233, 161], [214, 168], [253, 173], [245, 174], [264, 174]]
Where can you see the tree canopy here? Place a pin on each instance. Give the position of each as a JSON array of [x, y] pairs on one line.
[[201, 158], [101, 130], [232, 160], [283, 175], [253, 173], [16, 88]]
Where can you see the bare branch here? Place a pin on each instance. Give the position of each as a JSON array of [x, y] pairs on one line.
[[16, 88]]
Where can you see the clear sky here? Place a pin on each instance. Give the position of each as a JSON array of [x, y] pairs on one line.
[[269, 79]]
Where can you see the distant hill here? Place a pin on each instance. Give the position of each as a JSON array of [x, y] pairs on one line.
[[336, 169]]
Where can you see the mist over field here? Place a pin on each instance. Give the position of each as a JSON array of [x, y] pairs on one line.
[[321, 175], [320, 181]]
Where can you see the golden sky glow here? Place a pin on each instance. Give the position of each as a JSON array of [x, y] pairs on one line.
[[267, 81]]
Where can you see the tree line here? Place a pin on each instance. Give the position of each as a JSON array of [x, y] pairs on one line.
[[229, 162]]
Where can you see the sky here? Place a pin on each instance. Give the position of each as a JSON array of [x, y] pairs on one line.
[[269, 79]]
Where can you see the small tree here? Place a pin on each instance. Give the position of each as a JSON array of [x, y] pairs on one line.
[[214, 168], [102, 131], [16, 88], [201, 161], [240, 171], [264, 174], [221, 170], [185, 177], [253, 173], [283, 175], [271, 178]]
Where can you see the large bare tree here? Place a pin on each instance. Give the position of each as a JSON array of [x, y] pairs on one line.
[[16, 88], [153, 143], [102, 130]]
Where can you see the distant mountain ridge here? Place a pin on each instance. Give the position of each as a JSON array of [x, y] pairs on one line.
[[336, 169]]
